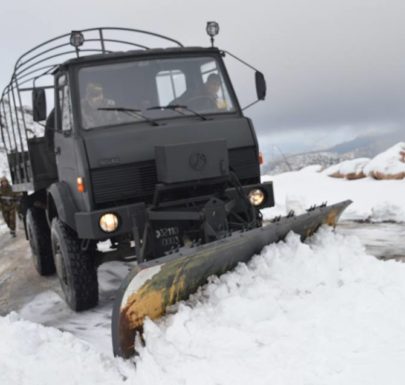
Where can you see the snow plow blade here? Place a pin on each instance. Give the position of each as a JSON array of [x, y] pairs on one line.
[[154, 285]]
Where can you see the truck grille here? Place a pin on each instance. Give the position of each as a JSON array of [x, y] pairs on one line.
[[245, 163], [136, 181], [130, 181]]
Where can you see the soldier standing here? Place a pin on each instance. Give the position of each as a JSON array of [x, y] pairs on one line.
[[8, 200]]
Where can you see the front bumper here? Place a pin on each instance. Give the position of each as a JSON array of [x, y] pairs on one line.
[[87, 223]]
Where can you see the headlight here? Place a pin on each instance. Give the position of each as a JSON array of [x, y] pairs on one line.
[[108, 222], [256, 197]]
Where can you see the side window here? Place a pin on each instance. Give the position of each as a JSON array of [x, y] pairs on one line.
[[65, 107], [170, 85]]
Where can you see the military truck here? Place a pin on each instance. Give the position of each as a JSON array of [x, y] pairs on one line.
[[144, 149], [135, 151]]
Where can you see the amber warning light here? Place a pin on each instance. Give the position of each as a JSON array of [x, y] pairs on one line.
[[80, 184], [261, 158]]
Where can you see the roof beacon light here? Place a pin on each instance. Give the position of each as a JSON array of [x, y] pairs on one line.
[[76, 39], [212, 30]]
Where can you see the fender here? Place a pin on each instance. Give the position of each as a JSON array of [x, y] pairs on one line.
[[61, 204]]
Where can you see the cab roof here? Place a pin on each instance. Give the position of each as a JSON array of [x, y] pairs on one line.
[[155, 52]]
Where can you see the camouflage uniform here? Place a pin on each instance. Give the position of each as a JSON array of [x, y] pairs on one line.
[[8, 201]]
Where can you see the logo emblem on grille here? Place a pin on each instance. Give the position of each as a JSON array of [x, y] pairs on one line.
[[197, 161]]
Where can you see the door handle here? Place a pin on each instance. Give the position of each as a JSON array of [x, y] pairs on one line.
[[57, 150]]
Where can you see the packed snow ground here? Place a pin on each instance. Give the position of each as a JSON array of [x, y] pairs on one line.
[[320, 312]]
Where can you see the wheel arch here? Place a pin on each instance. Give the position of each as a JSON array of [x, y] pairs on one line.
[[60, 204]]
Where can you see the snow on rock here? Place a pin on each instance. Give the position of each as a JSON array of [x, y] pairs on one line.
[[373, 200], [389, 164], [349, 169], [322, 312]]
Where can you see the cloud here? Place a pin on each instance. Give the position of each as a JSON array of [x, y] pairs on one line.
[[328, 64]]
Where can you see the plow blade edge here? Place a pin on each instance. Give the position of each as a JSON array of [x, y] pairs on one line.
[[153, 286]]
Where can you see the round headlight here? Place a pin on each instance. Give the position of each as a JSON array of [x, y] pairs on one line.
[[256, 197], [108, 222]]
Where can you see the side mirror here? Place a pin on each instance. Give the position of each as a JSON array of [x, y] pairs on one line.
[[38, 104], [260, 85]]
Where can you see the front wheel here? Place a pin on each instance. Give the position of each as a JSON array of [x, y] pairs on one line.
[[40, 242], [76, 268]]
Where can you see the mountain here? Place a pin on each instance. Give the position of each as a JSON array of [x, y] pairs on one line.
[[369, 145], [365, 146], [298, 161]]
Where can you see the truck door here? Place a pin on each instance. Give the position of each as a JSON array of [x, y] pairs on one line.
[[66, 145]]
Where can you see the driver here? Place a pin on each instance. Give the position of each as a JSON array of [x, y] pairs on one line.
[[211, 87], [93, 100], [205, 98]]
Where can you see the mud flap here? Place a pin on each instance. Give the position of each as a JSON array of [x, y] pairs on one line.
[[153, 286]]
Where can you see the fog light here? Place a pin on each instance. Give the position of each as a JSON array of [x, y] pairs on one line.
[[256, 197], [109, 222], [212, 28], [76, 39]]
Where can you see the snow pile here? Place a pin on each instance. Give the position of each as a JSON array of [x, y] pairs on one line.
[[372, 200], [324, 313], [389, 164], [36, 355], [318, 313], [349, 169]]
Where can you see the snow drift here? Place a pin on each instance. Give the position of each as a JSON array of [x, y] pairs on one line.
[[322, 312], [375, 201], [349, 169], [390, 164]]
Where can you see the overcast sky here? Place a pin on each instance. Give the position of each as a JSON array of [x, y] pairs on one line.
[[334, 69]]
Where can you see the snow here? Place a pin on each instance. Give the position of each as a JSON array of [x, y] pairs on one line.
[[93, 326], [373, 200], [3, 226], [37, 355], [390, 162], [353, 166], [319, 312], [4, 164], [324, 312]]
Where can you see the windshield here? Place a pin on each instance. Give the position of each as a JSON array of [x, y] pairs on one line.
[[152, 89]]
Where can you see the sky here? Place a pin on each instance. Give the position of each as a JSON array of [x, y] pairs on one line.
[[335, 69]]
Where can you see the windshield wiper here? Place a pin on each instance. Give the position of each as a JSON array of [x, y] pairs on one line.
[[175, 107], [131, 112]]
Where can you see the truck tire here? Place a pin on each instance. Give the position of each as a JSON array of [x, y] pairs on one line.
[[39, 237], [76, 268]]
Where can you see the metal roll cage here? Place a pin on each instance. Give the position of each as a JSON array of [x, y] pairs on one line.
[[40, 62]]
